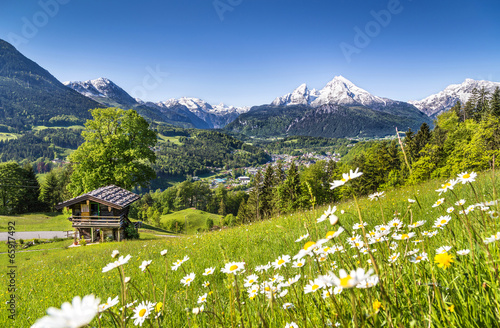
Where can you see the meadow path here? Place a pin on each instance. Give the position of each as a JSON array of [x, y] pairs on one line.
[[4, 236]]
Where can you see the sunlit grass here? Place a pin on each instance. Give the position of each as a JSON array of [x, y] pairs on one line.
[[462, 293]]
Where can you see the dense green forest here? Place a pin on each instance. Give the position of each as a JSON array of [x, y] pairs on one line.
[[40, 145], [197, 150], [297, 145], [329, 121]]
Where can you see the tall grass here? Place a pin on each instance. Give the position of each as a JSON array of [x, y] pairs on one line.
[[463, 292]]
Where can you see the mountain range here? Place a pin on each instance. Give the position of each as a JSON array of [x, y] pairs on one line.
[[30, 95]]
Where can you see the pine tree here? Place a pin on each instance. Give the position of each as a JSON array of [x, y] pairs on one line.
[[290, 191], [50, 193], [253, 203], [495, 103], [243, 212], [267, 193], [422, 138], [457, 108]]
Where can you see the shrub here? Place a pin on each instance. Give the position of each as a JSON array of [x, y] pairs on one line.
[[131, 232], [83, 242], [209, 223]]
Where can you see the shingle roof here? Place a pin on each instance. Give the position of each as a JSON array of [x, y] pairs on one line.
[[110, 195]]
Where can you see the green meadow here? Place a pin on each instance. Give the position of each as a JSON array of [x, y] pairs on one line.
[[446, 290]]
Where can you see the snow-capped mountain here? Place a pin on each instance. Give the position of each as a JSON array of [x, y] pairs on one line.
[[194, 111], [444, 100], [339, 91], [102, 90], [216, 116]]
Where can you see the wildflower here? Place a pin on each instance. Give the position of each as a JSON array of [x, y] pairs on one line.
[[292, 280], [346, 280], [463, 252], [158, 307], [355, 174], [288, 306], [109, 303], [77, 314], [202, 298], [443, 260], [121, 261], [451, 308], [418, 258], [208, 271], [233, 267], [393, 257], [438, 202], [250, 280], [313, 286], [443, 249], [261, 268], [376, 196], [411, 200], [447, 186], [334, 234], [413, 252], [493, 214], [127, 280], [461, 202], [302, 238], [144, 265], [450, 209], [416, 224], [329, 214], [178, 263], [142, 312], [368, 283], [163, 252], [115, 253], [404, 236], [298, 263], [376, 306], [187, 280], [395, 223], [291, 325], [357, 226], [281, 261], [465, 177], [276, 278], [492, 239], [206, 284], [393, 246], [341, 182], [198, 310], [442, 221]]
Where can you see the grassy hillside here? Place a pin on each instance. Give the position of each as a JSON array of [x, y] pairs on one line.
[[464, 294], [37, 222], [194, 218]]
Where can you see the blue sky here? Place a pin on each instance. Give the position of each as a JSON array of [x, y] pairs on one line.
[[248, 52]]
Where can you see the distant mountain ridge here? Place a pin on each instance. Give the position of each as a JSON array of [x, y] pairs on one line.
[[442, 101], [30, 95], [193, 112]]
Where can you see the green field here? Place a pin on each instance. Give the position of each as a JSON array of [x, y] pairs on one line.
[[462, 293], [37, 222], [173, 140], [4, 136], [194, 218]]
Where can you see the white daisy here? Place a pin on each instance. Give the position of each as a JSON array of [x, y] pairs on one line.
[[78, 313]]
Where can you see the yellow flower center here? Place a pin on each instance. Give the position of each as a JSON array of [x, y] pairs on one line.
[[233, 267], [300, 264], [188, 280], [142, 313], [419, 257], [344, 282], [343, 180], [330, 234], [466, 176], [281, 262], [314, 287], [308, 245], [405, 236], [443, 221]]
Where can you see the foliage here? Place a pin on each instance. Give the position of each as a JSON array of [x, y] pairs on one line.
[[131, 232], [117, 150], [19, 189], [410, 294]]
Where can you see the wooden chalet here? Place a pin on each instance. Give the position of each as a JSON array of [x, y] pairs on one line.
[[100, 213]]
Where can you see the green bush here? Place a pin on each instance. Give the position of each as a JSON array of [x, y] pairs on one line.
[[209, 223], [131, 232], [83, 242], [174, 225]]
